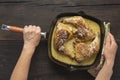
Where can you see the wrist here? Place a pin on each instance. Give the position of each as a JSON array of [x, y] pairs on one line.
[[109, 63], [28, 50], [26, 46]]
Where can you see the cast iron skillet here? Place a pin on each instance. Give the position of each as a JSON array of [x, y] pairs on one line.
[[74, 67], [48, 37]]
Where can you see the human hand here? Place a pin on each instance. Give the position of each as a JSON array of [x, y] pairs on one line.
[[31, 36], [110, 49]]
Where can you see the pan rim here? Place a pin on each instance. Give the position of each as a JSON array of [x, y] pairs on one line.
[[77, 67]]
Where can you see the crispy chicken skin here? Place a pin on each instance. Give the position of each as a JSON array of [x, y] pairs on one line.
[[81, 49], [81, 33], [62, 35], [86, 50]]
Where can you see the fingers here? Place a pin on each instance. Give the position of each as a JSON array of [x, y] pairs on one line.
[[25, 28], [38, 30], [32, 28], [112, 38], [110, 41]]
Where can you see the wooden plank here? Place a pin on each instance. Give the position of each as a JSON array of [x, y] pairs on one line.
[[42, 13], [22, 14], [64, 2], [9, 53], [41, 66]]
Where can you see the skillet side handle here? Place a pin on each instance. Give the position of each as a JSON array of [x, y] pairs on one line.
[[81, 13]]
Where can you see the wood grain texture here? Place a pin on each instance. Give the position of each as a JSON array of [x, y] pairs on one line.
[[42, 13], [24, 14], [65, 2]]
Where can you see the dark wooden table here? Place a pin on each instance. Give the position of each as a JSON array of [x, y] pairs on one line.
[[42, 12]]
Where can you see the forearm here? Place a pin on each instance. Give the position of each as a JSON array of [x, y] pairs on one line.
[[21, 69], [106, 72], [109, 53]]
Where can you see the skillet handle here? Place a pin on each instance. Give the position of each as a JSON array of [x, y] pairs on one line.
[[18, 29], [44, 35]]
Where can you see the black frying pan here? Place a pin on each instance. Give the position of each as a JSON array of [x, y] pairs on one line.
[[75, 67], [49, 39]]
